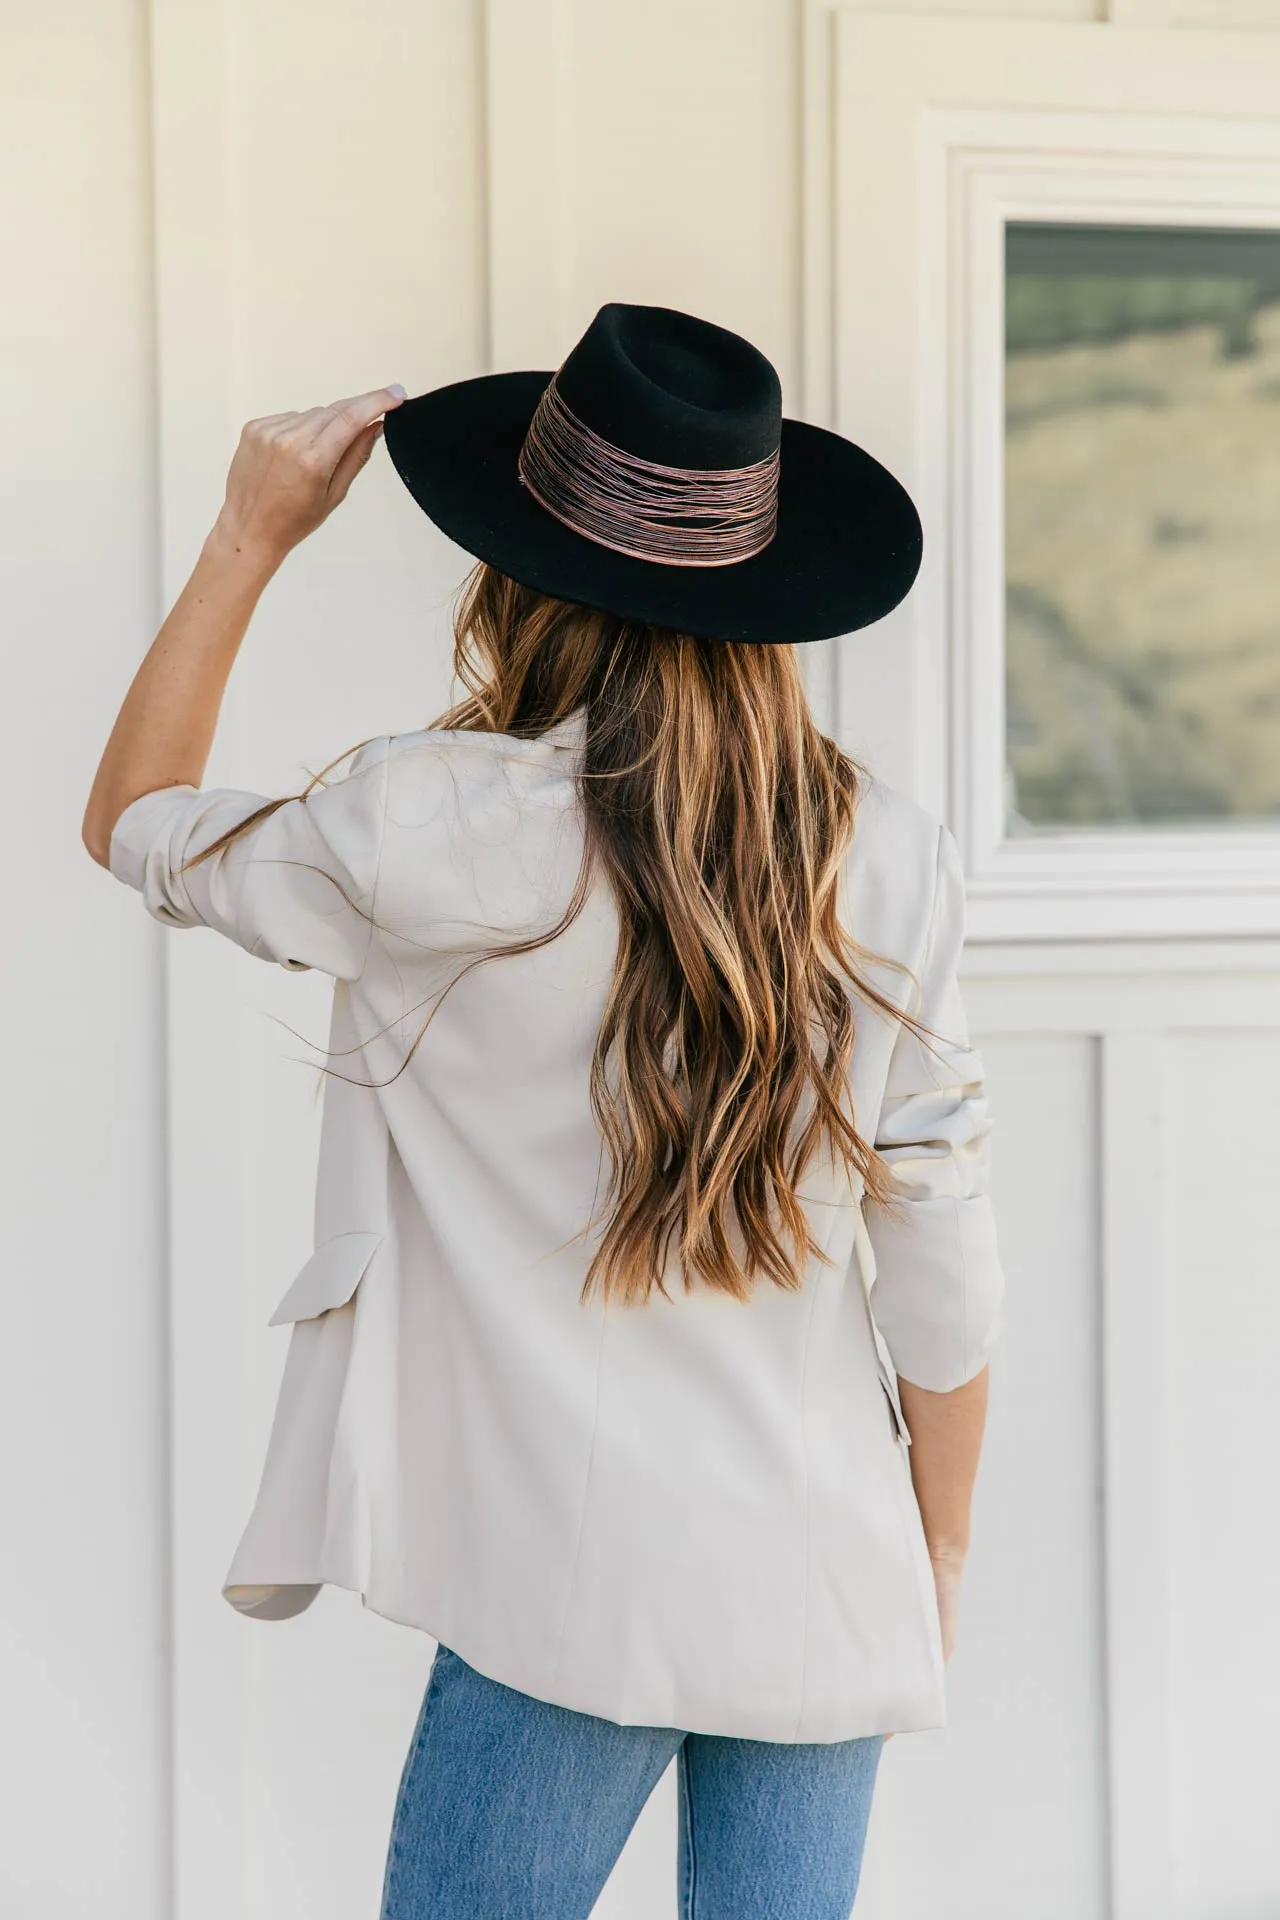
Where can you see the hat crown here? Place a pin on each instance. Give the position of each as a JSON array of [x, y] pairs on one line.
[[669, 388]]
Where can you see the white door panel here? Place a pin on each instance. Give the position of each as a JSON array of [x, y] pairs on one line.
[[1224, 1118], [1025, 1684]]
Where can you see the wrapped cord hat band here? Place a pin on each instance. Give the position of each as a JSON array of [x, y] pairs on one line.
[[656, 477], [677, 516]]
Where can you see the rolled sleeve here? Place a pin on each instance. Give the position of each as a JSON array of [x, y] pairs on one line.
[[297, 888], [939, 1285]]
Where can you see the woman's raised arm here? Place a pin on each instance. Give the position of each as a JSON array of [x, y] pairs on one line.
[[289, 472]]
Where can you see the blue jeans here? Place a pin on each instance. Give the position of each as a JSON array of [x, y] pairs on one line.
[[511, 1809]]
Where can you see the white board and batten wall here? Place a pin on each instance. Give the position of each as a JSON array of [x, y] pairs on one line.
[[222, 208]]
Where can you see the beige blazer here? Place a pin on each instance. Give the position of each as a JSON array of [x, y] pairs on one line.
[[697, 1513]]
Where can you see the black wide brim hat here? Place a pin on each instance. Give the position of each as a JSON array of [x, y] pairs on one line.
[[648, 394]]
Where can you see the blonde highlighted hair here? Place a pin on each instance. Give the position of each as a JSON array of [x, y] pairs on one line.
[[720, 817]]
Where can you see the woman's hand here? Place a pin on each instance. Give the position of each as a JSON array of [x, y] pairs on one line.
[[291, 470], [947, 1569]]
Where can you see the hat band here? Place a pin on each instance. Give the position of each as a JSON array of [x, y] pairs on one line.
[[677, 516]]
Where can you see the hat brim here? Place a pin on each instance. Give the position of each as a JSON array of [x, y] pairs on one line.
[[846, 550]]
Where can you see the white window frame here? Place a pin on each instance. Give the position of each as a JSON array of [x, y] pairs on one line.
[[963, 126], [1154, 879]]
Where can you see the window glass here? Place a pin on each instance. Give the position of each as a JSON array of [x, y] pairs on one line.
[[1142, 511]]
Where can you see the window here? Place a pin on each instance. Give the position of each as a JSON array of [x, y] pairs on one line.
[[1142, 526]]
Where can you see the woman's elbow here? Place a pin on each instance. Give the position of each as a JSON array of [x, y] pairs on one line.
[[95, 833]]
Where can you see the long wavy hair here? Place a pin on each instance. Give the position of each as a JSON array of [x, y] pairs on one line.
[[720, 816]]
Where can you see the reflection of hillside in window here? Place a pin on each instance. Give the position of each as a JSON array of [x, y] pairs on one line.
[[1142, 456]]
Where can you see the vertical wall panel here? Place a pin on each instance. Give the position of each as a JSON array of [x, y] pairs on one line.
[[1225, 1126], [1012, 1794], [358, 225], [664, 141], [1137, 1490], [83, 1635]]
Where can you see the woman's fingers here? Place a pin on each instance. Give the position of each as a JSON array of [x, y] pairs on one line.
[[321, 436], [336, 427], [275, 419], [352, 460], [291, 469], [351, 431]]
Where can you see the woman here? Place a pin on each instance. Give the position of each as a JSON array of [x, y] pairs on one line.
[[646, 1061]]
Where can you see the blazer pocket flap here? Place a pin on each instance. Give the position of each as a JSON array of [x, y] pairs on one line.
[[329, 1278]]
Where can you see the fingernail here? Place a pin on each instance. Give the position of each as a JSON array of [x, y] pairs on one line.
[[398, 390]]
